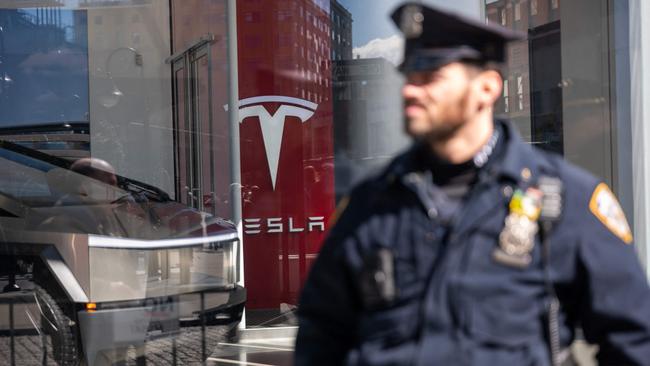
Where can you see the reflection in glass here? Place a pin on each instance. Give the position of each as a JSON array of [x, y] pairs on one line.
[[100, 267], [366, 97], [557, 83], [532, 94], [43, 67]]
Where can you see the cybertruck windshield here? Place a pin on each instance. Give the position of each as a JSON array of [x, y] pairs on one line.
[[36, 179]]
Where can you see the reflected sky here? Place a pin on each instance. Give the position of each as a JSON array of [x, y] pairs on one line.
[[43, 66], [371, 17]]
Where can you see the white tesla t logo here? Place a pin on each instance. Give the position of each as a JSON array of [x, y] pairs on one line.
[[273, 125]]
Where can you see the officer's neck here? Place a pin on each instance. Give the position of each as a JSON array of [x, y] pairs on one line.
[[466, 141]]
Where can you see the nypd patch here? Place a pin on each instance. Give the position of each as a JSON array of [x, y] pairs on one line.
[[605, 207]]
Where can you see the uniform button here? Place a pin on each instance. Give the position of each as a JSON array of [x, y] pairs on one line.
[[507, 191], [429, 236], [526, 174], [433, 213]]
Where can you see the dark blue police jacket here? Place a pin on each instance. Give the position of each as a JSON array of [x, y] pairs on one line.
[[453, 303]]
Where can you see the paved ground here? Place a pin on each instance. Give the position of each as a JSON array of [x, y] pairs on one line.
[[267, 352], [28, 351], [186, 349]]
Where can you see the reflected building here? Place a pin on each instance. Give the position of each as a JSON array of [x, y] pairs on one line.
[[532, 92], [364, 123], [112, 3], [341, 30], [556, 88], [65, 140], [44, 83]]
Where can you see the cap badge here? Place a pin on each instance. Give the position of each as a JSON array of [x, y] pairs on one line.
[[411, 21]]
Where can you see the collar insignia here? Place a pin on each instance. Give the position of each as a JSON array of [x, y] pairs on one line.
[[411, 21]]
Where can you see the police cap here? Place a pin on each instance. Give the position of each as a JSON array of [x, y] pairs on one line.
[[435, 38]]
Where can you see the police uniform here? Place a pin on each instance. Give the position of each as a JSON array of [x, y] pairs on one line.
[[500, 273]]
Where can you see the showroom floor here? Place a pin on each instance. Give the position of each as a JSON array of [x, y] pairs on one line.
[[257, 347]]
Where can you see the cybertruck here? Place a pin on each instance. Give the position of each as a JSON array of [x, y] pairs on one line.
[[95, 271]]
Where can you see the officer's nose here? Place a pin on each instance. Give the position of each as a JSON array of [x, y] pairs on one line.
[[411, 92]]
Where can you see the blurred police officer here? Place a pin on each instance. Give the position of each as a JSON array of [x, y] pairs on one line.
[[472, 248]]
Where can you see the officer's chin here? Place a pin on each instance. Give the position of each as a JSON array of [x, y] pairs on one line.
[[422, 131], [415, 127], [414, 134]]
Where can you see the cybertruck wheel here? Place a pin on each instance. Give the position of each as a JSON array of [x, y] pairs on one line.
[[56, 324]]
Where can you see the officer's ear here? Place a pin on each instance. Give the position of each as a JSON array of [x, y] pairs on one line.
[[489, 84]]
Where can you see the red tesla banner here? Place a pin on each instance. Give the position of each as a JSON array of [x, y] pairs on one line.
[[286, 132]]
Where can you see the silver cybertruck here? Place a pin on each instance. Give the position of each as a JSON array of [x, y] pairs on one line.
[[97, 271]]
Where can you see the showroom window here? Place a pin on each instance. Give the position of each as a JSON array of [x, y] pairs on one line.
[[163, 175]]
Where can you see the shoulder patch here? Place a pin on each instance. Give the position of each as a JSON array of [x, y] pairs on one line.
[[605, 207]]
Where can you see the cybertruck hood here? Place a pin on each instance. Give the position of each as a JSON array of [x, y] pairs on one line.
[[128, 219]]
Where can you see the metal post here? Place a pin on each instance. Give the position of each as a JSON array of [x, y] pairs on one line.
[[233, 119], [204, 354], [213, 186], [621, 127], [639, 12], [12, 341]]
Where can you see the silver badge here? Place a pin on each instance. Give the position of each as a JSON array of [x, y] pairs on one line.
[[516, 241], [411, 21]]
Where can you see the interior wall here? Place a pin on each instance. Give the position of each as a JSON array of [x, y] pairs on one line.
[[192, 19], [130, 90]]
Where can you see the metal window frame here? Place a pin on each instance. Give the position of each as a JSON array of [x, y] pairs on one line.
[[639, 52], [188, 60]]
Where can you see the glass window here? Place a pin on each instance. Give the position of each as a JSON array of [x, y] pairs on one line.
[[114, 152], [562, 85], [517, 12], [123, 164]]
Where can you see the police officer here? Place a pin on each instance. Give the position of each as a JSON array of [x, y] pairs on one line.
[[472, 247]]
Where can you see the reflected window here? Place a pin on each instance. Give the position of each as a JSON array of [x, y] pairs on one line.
[[558, 87]]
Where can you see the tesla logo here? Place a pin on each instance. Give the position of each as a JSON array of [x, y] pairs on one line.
[[273, 125], [277, 225]]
